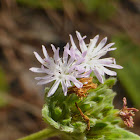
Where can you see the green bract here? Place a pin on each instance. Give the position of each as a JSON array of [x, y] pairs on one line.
[[61, 114]]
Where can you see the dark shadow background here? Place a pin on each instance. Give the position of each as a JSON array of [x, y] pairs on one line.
[[27, 24]]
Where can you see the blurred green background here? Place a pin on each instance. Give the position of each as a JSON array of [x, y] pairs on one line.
[[27, 24]]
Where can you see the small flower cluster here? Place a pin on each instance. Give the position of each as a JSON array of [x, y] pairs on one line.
[[75, 63]]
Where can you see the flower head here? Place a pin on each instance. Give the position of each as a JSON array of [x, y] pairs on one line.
[[92, 54], [58, 69]]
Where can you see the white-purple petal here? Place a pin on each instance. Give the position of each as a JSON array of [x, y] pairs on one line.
[[101, 44], [93, 43], [113, 66], [39, 58], [80, 69], [65, 53], [82, 44], [108, 46], [99, 54], [106, 61], [86, 74], [72, 52], [75, 81], [111, 49], [79, 61], [56, 56], [44, 77], [70, 61], [37, 70], [68, 83], [64, 87], [53, 48], [74, 46], [53, 88], [42, 82], [109, 72], [98, 75], [45, 52], [84, 54]]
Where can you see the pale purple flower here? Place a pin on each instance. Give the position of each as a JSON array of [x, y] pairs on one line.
[[92, 54], [61, 70]]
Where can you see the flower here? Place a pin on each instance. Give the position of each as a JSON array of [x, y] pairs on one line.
[[61, 70], [92, 54]]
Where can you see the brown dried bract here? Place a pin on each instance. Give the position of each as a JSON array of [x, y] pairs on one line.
[[127, 114], [82, 92], [85, 118]]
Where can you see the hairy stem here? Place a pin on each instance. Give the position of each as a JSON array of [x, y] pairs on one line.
[[43, 134]]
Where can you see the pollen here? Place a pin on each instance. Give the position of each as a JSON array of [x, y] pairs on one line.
[[87, 85]]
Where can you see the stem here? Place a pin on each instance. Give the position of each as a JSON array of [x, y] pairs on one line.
[[45, 133]]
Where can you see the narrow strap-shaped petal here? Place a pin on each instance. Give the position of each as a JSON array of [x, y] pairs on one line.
[[71, 60], [84, 54], [79, 61], [101, 44], [65, 53], [86, 74], [106, 61], [56, 56], [68, 83], [98, 55], [74, 46], [109, 72], [53, 88], [72, 42], [39, 58], [64, 87], [53, 48], [76, 65], [37, 70], [113, 66], [45, 52], [111, 49], [102, 52], [75, 81], [108, 46], [44, 77], [48, 71], [80, 69], [98, 75], [93, 43], [42, 82], [72, 52], [82, 44]]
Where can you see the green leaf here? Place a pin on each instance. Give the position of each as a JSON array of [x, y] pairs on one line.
[[111, 133], [121, 133]]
